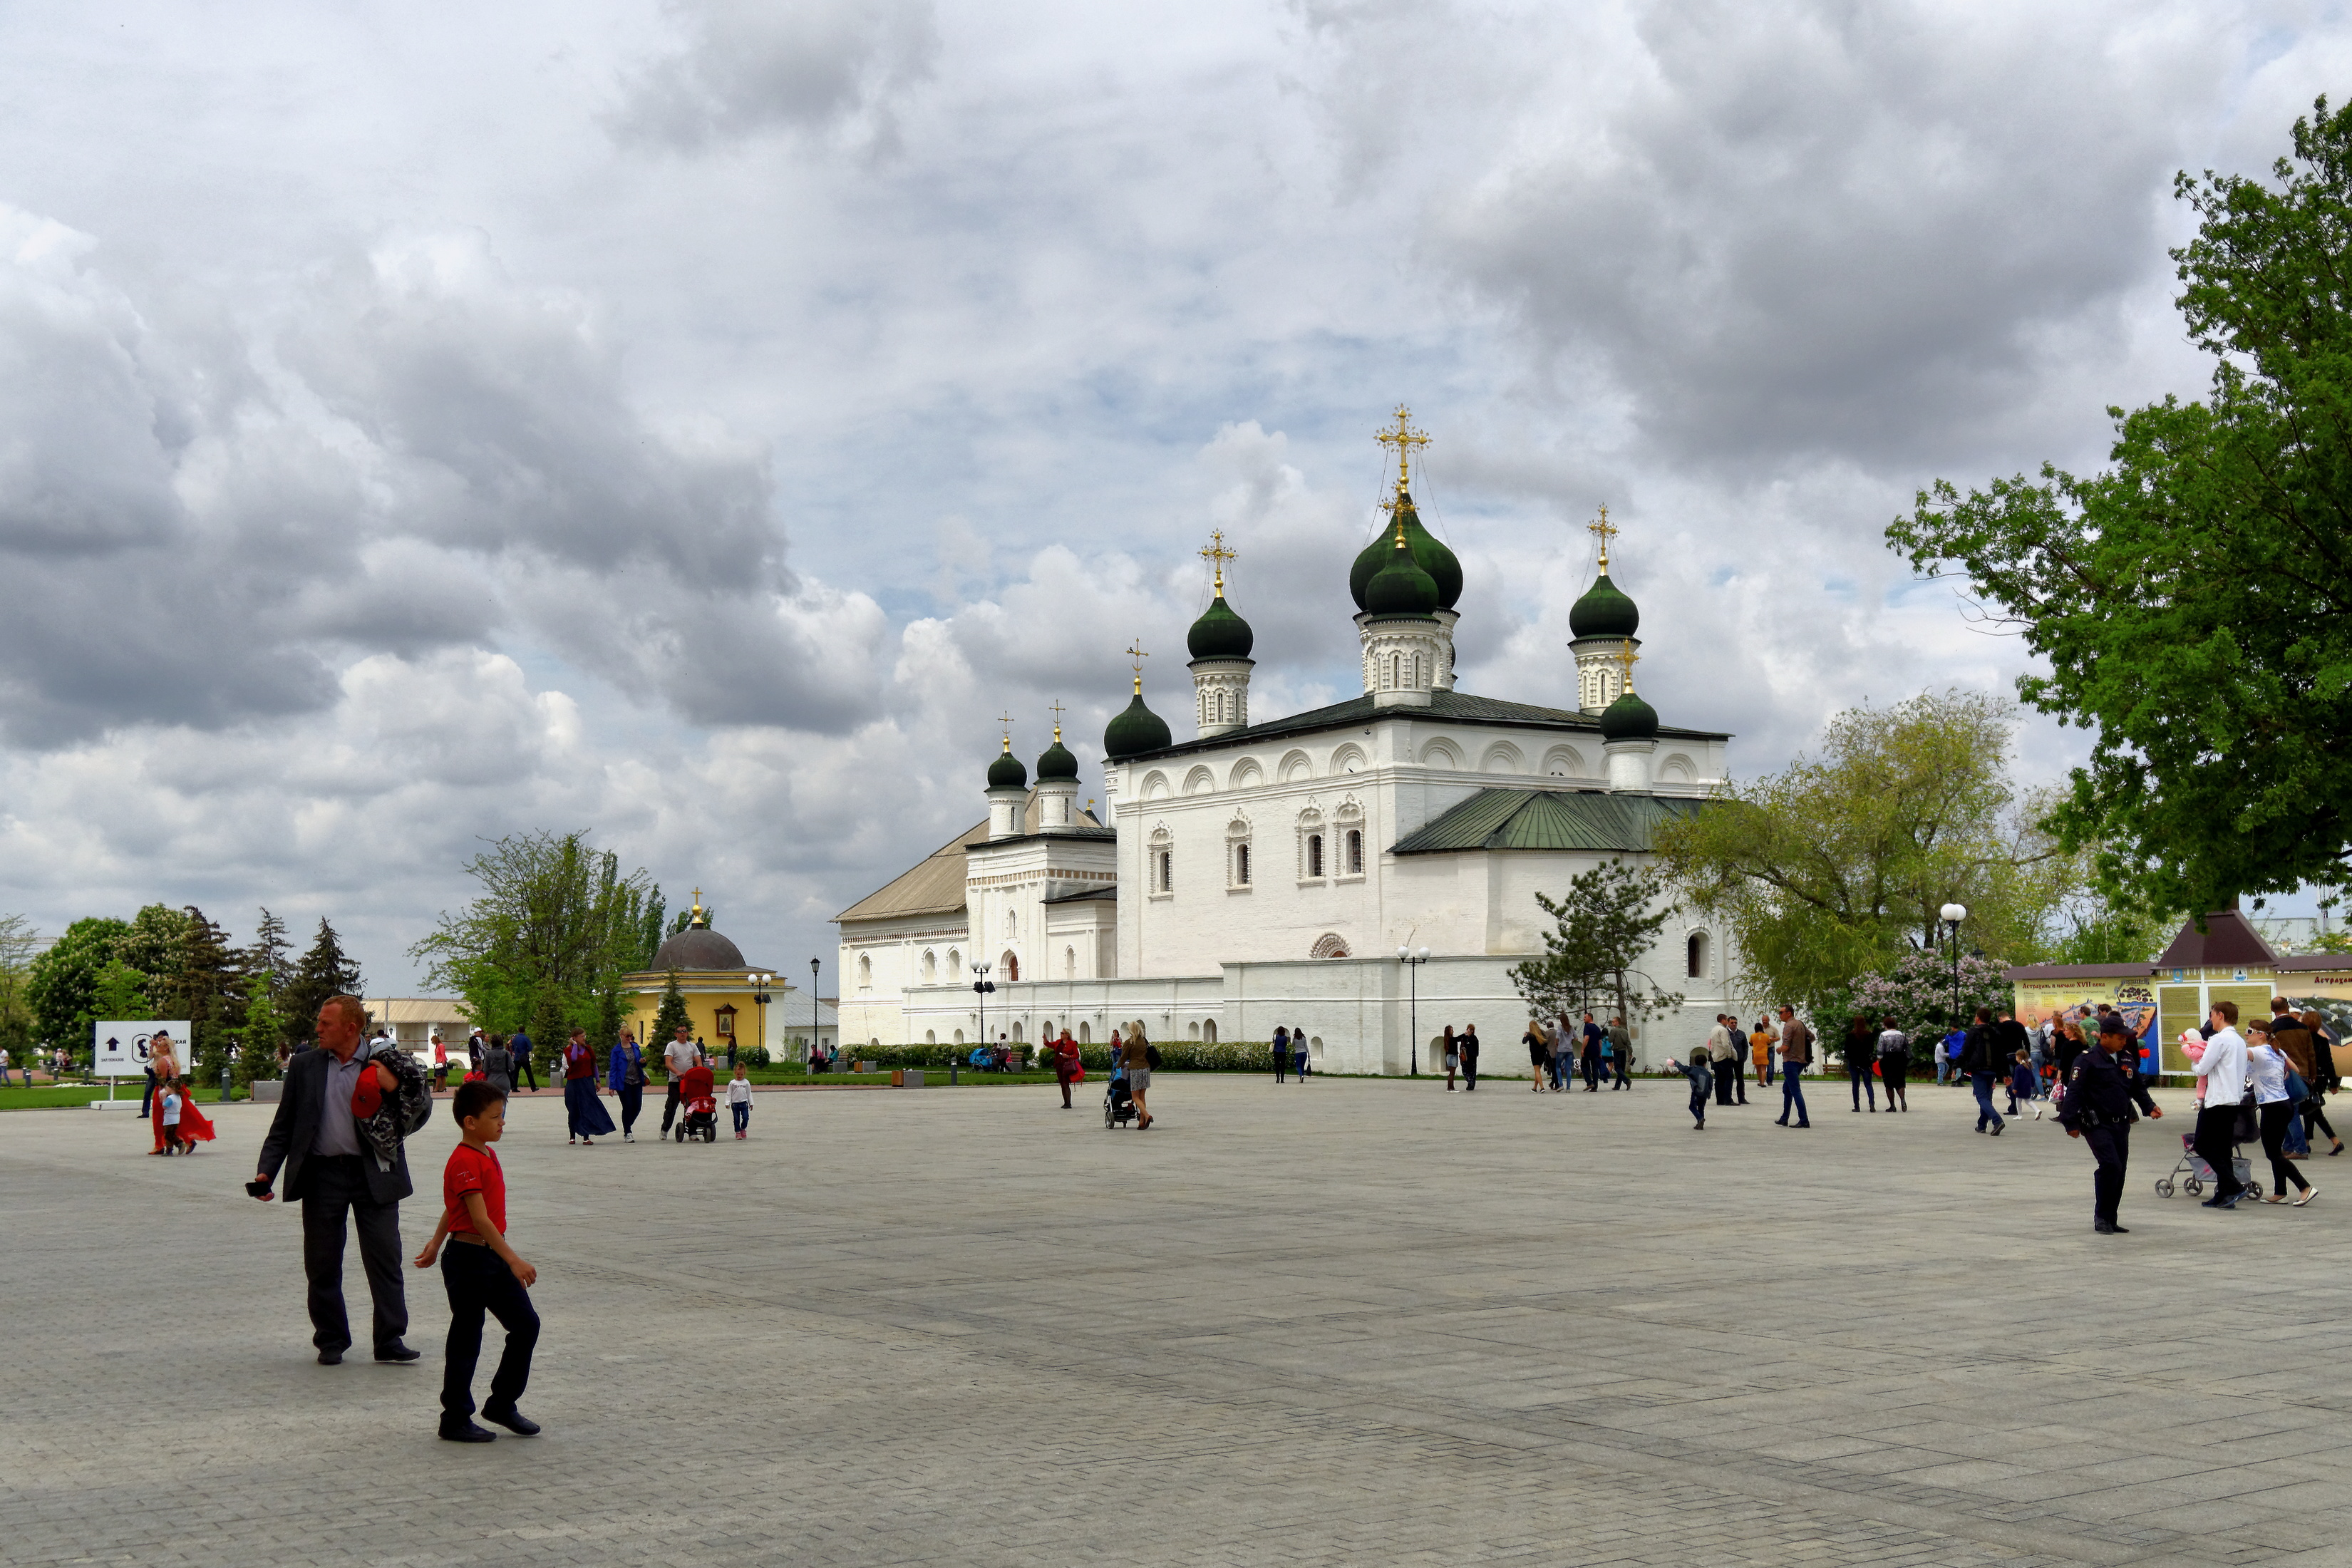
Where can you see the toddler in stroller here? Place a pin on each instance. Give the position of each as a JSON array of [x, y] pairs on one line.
[[1118, 1104], [698, 1105]]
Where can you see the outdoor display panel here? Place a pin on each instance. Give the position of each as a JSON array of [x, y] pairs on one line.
[[119, 1047]]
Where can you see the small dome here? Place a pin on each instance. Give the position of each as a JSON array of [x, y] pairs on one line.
[[698, 947], [1400, 587], [1136, 730], [1629, 719], [1220, 633], [1056, 762], [1006, 771], [1428, 550], [1603, 612]]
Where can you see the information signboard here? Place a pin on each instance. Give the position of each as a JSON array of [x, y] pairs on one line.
[[120, 1049]]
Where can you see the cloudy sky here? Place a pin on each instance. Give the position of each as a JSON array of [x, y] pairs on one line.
[[693, 422]]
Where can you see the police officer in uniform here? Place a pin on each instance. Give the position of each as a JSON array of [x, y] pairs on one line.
[[2098, 1111]]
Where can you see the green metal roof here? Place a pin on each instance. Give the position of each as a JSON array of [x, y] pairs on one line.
[[1546, 819]]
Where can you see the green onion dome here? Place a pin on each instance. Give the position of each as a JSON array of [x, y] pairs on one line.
[[1006, 771], [1428, 550], [1604, 611], [1057, 763], [1136, 730], [1220, 633], [1629, 719], [1400, 587]]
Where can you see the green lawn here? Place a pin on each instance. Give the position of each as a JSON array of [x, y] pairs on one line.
[[43, 1096]]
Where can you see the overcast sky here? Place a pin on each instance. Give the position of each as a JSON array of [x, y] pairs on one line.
[[693, 422]]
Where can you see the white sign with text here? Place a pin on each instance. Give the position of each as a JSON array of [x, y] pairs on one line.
[[122, 1049]]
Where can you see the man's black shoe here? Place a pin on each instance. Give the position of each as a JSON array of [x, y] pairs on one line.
[[467, 1432], [331, 1358], [396, 1351], [513, 1420], [2105, 1227]]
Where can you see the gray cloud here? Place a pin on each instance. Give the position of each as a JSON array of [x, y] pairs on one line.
[[816, 66]]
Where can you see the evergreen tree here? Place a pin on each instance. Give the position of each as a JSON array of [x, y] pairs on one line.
[[264, 973], [203, 986], [1607, 924], [671, 1017], [324, 972]]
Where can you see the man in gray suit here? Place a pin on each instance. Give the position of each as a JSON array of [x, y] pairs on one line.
[[331, 1165]]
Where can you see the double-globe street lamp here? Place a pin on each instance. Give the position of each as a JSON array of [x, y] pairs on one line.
[[759, 983], [814, 1004], [1412, 959], [1953, 915], [980, 987]]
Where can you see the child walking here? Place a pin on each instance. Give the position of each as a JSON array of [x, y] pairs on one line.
[[2023, 1082], [172, 1101], [739, 1100], [482, 1274]]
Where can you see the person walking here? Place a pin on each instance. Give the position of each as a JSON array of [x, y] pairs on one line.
[[2222, 1066], [519, 1046], [1281, 1052], [1620, 1053], [583, 1109], [497, 1064], [1453, 1058], [1720, 1053], [440, 1063], [1699, 1070], [1894, 1063], [1466, 1042], [1734, 1065], [1861, 1057], [482, 1274], [2269, 1069], [1067, 1067], [2022, 1083], [1298, 1051], [475, 1046], [1589, 1054], [2321, 1080], [1762, 1041], [2097, 1109], [739, 1101], [679, 1054], [1539, 1056], [1139, 1058], [349, 1167], [1796, 1051], [1980, 1063], [625, 1075]]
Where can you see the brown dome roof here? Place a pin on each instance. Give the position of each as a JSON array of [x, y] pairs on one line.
[[698, 947]]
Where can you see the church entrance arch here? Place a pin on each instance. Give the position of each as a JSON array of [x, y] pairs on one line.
[[1009, 966], [1330, 944]]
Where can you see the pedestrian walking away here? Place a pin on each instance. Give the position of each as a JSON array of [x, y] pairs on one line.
[[1141, 1057], [1796, 1051], [1980, 1061], [1861, 1057], [482, 1274], [2312, 1054], [1297, 1052], [2268, 1066], [1699, 1070], [2222, 1068], [519, 1046], [1894, 1063], [679, 1054], [1281, 1052], [1453, 1058], [1539, 1056], [340, 1134], [1722, 1051], [497, 1064], [739, 1102], [1589, 1054], [625, 1075], [583, 1109], [2022, 1083], [1620, 1053], [1466, 1042], [2323, 1081], [2097, 1109], [1762, 1041]]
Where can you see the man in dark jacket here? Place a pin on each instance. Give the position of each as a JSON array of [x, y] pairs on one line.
[[2098, 1111], [1981, 1059], [331, 1164]]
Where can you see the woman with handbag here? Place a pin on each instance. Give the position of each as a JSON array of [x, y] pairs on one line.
[[1453, 1058], [2322, 1079], [2267, 1067]]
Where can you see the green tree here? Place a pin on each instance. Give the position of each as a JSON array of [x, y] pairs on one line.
[[120, 992], [325, 970], [17, 1018], [2190, 601], [152, 944], [265, 971], [1839, 865], [204, 986], [669, 1017], [1602, 931], [62, 984], [544, 945]]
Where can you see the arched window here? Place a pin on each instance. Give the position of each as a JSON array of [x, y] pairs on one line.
[[1009, 966], [1192, 1031], [1209, 1030], [1698, 955], [1355, 851], [1396, 671], [930, 967], [1012, 923], [865, 972], [930, 1037], [1069, 964], [1086, 1034], [1330, 944], [1163, 870], [959, 1036], [1241, 865], [1314, 856]]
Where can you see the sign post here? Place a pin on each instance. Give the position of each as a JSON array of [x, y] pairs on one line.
[[122, 1046]]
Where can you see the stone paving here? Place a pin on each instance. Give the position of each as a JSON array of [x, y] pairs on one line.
[[1348, 1322]]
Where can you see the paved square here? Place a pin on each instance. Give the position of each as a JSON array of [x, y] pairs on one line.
[[1346, 1322]]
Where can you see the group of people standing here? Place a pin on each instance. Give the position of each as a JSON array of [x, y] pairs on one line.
[[1716, 1073], [1560, 1051]]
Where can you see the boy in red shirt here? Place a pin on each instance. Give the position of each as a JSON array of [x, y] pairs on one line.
[[481, 1273]]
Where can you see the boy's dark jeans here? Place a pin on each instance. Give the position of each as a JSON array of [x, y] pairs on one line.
[[478, 1283]]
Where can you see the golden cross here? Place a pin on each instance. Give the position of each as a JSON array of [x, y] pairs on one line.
[[1604, 530], [1007, 719], [1218, 554], [1404, 438], [1136, 652], [1057, 709], [698, 898], [1628, 658]]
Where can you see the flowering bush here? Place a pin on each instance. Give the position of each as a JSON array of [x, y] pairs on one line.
[[1918, 992]]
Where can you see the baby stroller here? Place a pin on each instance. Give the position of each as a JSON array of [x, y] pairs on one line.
[[2192, 1172], [1118, 1105], [700, 1120]]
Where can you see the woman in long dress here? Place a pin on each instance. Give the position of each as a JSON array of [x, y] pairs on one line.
[[582, 1110], [194, 1129]]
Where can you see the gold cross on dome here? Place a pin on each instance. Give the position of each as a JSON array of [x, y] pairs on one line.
[[1057, 709], [1604, 530], [1406, 440], [1135, 651], [1007, 719], [1627, 658], [1218, 554]]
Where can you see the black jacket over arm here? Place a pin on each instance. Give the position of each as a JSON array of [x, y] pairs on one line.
[[295, 1128]]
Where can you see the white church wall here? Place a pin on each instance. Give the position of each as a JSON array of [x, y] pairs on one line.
[[878, 959]]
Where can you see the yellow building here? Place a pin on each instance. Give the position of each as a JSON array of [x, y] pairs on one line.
[[731, 1002]]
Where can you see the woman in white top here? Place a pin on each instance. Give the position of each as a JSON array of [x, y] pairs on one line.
[[2266, 1065]]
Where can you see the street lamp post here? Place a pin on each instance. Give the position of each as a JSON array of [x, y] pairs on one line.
[[1953, 915], [1412, 961], [759, 983], [814, 962], [980, 987]]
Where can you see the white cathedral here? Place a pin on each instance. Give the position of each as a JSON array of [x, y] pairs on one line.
[[1257, 875]]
